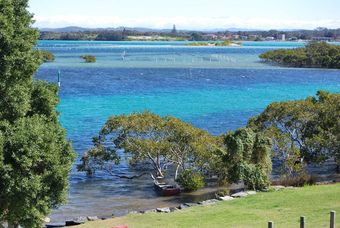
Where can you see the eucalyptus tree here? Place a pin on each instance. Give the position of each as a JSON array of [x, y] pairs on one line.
[[150, 140], [35, 157], [303, 131]]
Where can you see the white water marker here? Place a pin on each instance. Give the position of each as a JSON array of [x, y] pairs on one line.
[[59, 82]]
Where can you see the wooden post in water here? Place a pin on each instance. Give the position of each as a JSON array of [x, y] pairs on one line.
[[302, 222], [332, 220], [270, 224]]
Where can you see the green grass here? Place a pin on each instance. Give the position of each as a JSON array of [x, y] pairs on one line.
[[284, 208]]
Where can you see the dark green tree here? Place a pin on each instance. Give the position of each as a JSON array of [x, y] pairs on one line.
[[35, 157], [247, 158], [195, 36], [18, 59], [304, 131], [315, 54]]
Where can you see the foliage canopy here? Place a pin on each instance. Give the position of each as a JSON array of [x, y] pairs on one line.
[[304, 131], [297, 133], [150, 139], [47, 56], [190, 180], [89, 58], [35, 157], [247, 158], [315, 54]]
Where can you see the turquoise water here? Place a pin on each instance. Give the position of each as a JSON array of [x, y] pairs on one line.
[[187, 105], [214, 88]]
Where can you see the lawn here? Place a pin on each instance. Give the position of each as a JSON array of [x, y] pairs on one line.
[[283, 207]]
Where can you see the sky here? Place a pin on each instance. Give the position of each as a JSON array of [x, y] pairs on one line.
[[187, 14]]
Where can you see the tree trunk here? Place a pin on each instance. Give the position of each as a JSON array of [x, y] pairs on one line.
[[159, 172], [159, 168], [176, 173]]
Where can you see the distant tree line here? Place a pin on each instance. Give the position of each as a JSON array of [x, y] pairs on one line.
[[122, 34], [315, 54], [106, 35], [294, 34]]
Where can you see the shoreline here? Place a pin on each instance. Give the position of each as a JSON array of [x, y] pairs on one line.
[[186, 41], [235, 193], [90, 220]]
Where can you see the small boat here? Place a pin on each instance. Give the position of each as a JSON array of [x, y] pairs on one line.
[[166, 189]]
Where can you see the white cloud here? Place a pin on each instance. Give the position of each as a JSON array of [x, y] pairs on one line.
[[183, 22]]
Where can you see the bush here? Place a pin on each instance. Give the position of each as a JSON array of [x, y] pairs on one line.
[[89, 58], [47, 56], [224, 43], [254, 177], [190, 180], [247, 158], [296, 181], [222, 193]]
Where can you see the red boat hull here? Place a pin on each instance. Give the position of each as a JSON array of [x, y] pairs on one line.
[[171, 192], [167, 190]]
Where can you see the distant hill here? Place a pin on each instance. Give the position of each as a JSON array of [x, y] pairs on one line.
[[81, 29], [73, 29], [142, 29], [139, 29]]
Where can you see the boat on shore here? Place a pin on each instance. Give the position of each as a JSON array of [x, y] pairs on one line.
[[166, 189]]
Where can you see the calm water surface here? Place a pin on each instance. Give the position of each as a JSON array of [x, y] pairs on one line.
[[214, 88]]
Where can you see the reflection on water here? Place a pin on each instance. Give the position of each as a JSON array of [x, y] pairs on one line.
[[214, 88]]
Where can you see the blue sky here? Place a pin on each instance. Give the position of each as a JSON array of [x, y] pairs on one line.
[[188, 14]]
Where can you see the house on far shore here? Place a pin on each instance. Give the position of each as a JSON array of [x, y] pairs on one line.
[[236, 37], [328, 39], [210, 37], [270, 38], [253, 37]]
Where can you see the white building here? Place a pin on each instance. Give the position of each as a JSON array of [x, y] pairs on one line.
[[282, 37]]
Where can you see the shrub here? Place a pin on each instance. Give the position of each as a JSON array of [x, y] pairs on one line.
[[89, 58], [222, 192], [296, 181], [47, 56], [247, 158], [224, 43], [191, 180], [254, 177]]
